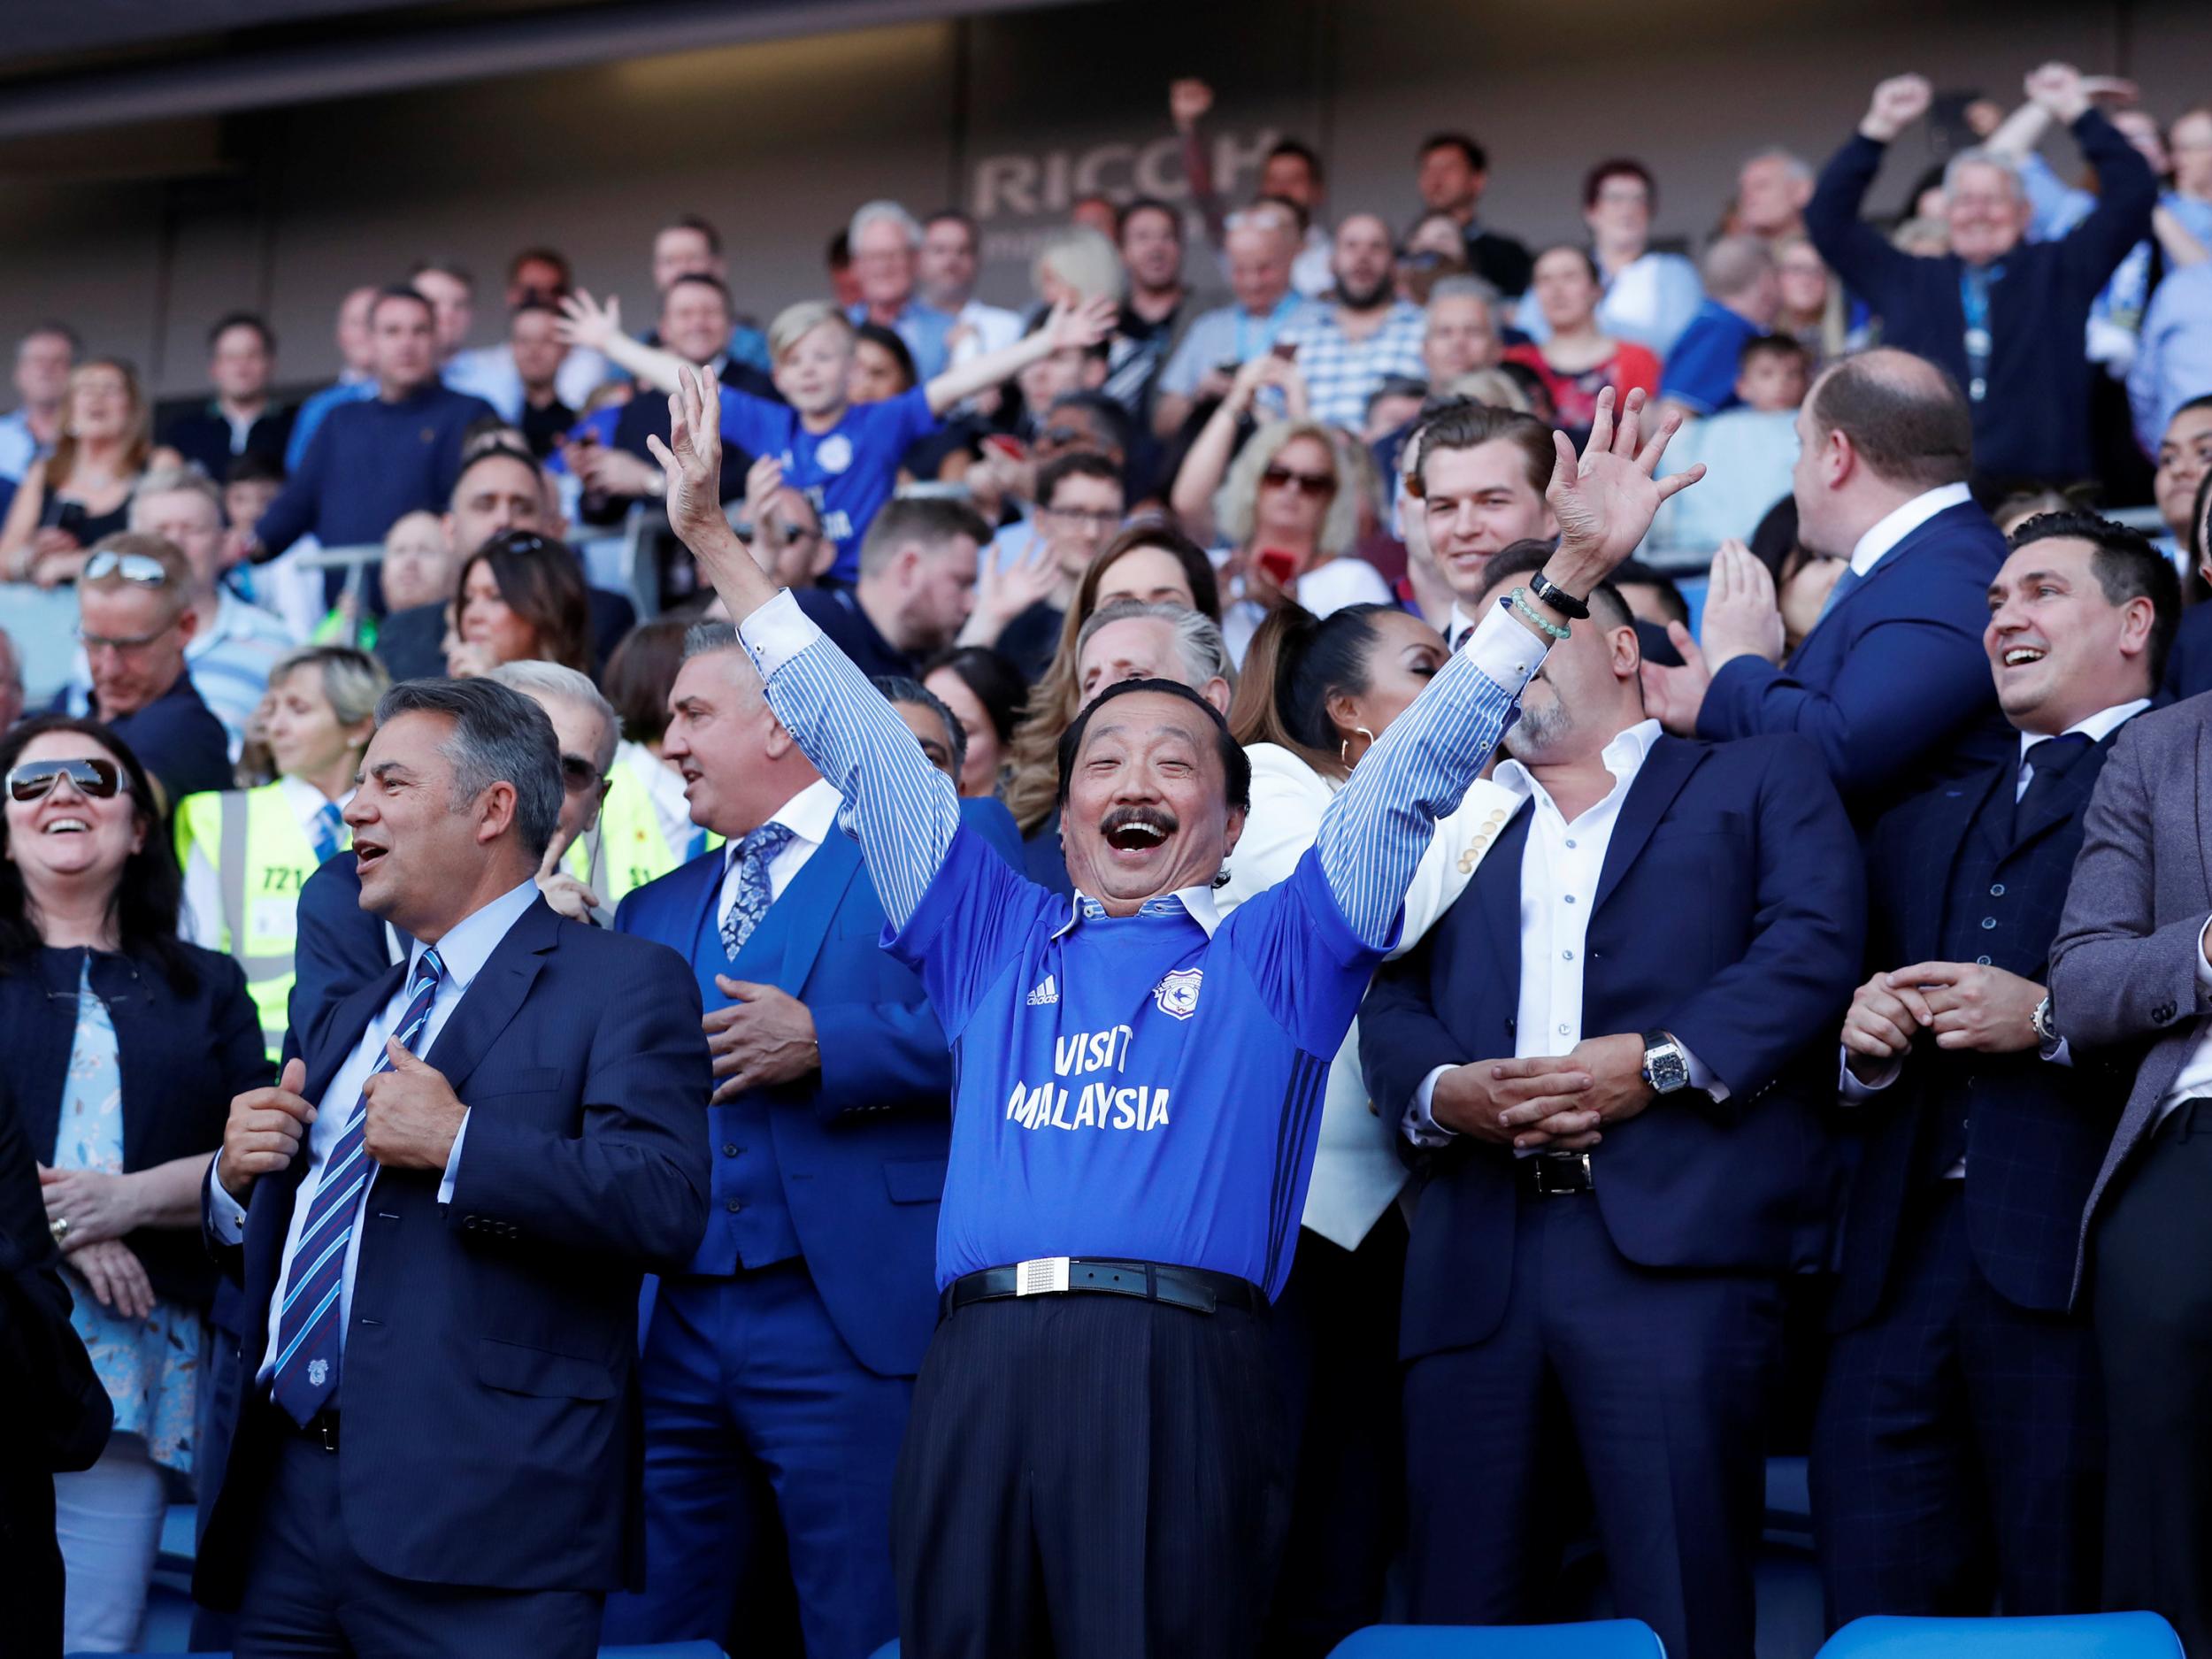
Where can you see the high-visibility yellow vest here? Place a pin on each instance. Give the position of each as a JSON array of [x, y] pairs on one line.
[[262, 858], [628, 849]]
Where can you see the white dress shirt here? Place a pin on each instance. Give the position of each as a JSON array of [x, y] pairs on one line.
[[811, 818], [2097, 727], [463, 950], [1560, 866], [202, 921], [1901, 522]]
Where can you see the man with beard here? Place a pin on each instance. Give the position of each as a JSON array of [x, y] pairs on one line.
[[1136, 1095], [1348, 348], [1612, 1041]]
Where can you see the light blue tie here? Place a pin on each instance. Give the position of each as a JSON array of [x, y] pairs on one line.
[[753, 855], [329, 832], [1845, 583]]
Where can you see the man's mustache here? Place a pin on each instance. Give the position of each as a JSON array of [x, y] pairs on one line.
[[1119, 821]]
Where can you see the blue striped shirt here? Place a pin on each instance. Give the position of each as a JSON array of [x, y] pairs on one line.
[[1148, 1087]]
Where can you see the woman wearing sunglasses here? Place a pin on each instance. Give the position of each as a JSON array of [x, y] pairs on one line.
[[247, 853], [1285, 507], [124, 1048]]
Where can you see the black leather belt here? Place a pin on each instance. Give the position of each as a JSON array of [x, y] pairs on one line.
[[1554, 1174], [322, 1428], [1196, 1288]]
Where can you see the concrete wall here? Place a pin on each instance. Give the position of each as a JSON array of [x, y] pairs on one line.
[[141, 236]]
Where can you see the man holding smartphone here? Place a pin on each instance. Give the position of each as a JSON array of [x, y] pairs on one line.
[[1261, 243]]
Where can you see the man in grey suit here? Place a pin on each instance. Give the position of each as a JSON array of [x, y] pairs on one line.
[[2132, 965]]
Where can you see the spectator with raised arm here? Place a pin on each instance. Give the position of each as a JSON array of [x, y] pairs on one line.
[[1290, 171], [1095, 1108], [2002, 315]]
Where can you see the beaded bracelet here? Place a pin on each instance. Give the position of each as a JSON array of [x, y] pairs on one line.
[[1518, 599]]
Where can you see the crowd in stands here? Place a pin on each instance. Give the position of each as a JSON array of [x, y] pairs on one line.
[[1868, 790]]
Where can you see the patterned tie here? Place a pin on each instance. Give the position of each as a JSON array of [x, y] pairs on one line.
[[306, 1371], [754, 854], [329, 832]]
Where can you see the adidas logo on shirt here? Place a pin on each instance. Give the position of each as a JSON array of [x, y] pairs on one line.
[[1045, 994]]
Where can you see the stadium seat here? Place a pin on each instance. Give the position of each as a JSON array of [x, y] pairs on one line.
[[1603, 1639], [664, 1650], [2082, 1636]]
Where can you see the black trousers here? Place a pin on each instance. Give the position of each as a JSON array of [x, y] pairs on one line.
[[1336, 1329], [1657, 1380], [1959, 1452], [30, 1564], [2153, 1313], [309, 1593], [1091, 1477]]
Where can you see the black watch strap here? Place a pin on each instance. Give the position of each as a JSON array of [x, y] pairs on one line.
[[1558, 598]]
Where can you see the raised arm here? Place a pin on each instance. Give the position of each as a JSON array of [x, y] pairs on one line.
[[1859, 253], [901, 808], [1373, 833], [584, 322], [1080, 326]]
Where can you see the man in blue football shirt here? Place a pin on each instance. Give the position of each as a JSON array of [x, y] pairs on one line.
[[1096, 1447]]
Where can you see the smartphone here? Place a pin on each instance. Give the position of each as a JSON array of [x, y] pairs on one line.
[[1278, 564], [1006, 444], [1286, 350]]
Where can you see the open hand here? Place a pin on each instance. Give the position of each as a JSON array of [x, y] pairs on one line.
[[1742, 616], [1188, 100], [1605, 499], [1674, 696], [586, 322], [1080, 327], [1897, 104], [765, 1036], [691, 462]]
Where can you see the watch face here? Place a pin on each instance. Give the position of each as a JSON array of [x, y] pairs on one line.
[[1666, 1068]]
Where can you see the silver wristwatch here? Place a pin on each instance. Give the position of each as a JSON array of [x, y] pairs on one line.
[[1666, 1067]]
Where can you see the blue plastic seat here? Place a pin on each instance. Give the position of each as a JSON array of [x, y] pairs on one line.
[[2076, 1636], [1602, 1638]]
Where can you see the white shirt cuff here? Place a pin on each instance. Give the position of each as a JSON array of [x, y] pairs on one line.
[[2204, 968], [226, 1214], [776, 633], [453, 1161], [1505, 651], [1851, 1090], [2063, 1055], [1702, 1076], [1419, 1125]]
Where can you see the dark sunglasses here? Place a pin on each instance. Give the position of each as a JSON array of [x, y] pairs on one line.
[[35, 779], [1306, 483], [132, 567], [578, 774]]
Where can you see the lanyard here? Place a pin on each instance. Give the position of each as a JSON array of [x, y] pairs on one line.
[[1269, 326], [1974, 284]]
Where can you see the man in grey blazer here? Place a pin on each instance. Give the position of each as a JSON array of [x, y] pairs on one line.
[[2130, 967]]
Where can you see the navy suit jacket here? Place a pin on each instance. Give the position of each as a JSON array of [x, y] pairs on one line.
[[1730, 912], [2035, 1131], [2189, 663], [1892, 686], [490, 1383], [861, 1143]]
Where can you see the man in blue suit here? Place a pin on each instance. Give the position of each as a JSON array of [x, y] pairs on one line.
[[779, 1363], [1959, 1453], [439, 1219], [1614, 1041], [1890, 685]]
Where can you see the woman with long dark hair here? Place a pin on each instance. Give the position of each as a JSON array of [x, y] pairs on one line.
[[522, 598], [125, 1047], [1314, 695]]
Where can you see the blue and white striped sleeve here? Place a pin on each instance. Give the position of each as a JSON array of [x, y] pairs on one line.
[[901, 808], [1374, 833]]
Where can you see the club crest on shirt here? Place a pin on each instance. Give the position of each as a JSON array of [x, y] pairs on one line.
[[1177, 994], [835, 454]]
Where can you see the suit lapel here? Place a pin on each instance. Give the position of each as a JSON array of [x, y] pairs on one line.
[[1499, 896], [1952, 815], [495, 994], [1665, 770], [342, 1032], [810, 901], [1883, 567], [2204, 804]]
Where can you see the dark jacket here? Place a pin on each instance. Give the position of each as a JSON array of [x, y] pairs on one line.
[[2036, 1130], [489, 1391], [1730, 912], [410, 643], [177, 738], [203, 438], [2033, 423], [183, 1055]]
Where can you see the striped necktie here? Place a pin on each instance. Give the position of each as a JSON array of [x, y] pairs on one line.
[[306, 1372]]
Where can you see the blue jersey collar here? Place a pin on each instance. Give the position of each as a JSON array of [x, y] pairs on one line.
[[1197, 903]]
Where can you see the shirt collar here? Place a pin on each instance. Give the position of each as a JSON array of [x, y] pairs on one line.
[[468, 945], [1197, 903], [1624, 758], [809, 815], [307, 801], [2097, 727], [1901, 522]]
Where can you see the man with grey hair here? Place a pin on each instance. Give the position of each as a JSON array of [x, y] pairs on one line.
[[778, 1365], [1742, 296], [11, 682], [440, 1219], [1258, 248], [1459, 332], [1772, 190], [2003, 315], [574, 875], [887, 245]]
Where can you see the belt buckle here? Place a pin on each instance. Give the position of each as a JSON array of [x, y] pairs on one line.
[[1045, 1276], [1560, 1175]]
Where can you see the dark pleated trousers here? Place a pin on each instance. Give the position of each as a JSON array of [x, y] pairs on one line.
[[1091, 1477]]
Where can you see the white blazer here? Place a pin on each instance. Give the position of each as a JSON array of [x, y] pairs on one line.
[[1356, 1170]]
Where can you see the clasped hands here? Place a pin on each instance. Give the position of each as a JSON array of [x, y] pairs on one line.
[[1965, 1005], [1559, 1102], [413, 1116]]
